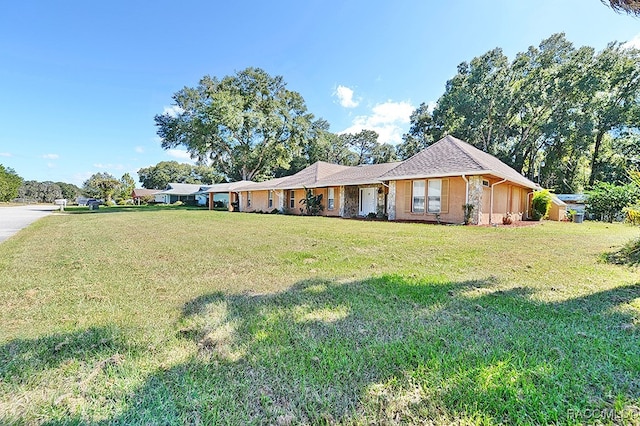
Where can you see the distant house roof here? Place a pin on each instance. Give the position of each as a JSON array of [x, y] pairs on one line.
[[228, 187], [183, 188], [451, 157], [143, 192], [572, 198]]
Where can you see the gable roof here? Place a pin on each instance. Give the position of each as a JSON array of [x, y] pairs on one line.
[[451, 157], [310, 176], [227, 186], [143, 192], [358, 175]]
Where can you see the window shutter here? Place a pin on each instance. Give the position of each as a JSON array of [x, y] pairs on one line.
[[408, 187], [444, 196]]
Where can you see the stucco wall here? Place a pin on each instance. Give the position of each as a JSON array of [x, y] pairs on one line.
[[456, 199]]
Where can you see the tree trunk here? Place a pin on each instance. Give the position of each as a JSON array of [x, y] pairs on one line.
[[594, 159]]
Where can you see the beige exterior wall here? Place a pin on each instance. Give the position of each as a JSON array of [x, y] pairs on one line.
[[259, 201], [325, 200], [452, 212], [507, 198]]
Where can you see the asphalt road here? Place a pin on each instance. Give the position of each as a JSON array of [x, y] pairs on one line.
[[13, 219]]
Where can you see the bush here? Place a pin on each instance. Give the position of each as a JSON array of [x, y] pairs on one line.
[[607, 201], [632, 214], [541, 204]]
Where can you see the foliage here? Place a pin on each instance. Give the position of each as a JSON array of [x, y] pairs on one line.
[[40, 192], [9, 183], [468, 211], [362, 144], [69, 191], [127, 184], [606, 201], [632, 214], [629, 254], [246, 124], [561, 115], [540, 204], [165, 172], [105, 186], [631, 7], [420, 135], [312, 204]]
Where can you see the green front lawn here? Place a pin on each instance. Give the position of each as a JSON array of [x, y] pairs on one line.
[[172, 316]]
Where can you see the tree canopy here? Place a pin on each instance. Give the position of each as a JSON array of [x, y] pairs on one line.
[[158, 176], [9, 183], [246, 125], [563, 116], [632, 7]]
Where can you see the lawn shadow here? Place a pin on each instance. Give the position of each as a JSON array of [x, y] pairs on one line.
[[395, 350]]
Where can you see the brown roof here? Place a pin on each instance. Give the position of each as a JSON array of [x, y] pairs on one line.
[[449, 157], [143, 192], [310, 176], [358, 175]]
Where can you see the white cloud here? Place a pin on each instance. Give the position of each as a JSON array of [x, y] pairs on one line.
[[109, 166], [179, 154], [5, 154], [634, 43], [431, 105], [345, 97], [387, 119], [51, 156], [172, 111], [139, 149], [51, 165]]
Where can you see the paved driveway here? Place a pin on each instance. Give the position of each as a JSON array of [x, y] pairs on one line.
[[13, 219]]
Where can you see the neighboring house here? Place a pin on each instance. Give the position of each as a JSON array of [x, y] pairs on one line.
[[431, 186], [185, 192], [138, 194], [574, 202]]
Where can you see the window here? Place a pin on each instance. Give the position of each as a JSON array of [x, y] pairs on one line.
[[435, 196], [485, 183], [270, 199], [249, 199], [330, 199], [292, 199], [418, 196]]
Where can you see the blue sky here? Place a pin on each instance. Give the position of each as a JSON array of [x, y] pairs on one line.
[[81, 81]]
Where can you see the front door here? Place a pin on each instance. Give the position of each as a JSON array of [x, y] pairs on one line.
[[367, 201]]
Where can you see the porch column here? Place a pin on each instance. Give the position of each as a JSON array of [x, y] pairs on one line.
[[391, 201], [475, 198], [341, 190]]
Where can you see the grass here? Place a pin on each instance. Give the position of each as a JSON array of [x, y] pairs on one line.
[[173, 316]]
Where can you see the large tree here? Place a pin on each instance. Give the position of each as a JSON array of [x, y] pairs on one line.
[[9, 183], [101, 185], [247, 124], [555, 113], [158, 176], [41, 192]]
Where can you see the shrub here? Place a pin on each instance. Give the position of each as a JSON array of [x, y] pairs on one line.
[[468, 210], [606, 201], [632, 214], [541, 204], [312, 203], [177, 203]]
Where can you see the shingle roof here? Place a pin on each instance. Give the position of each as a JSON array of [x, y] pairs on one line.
[[183, 188], [358, 175], [451, 156], [310, 176], [228, 187], [143, 192]]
